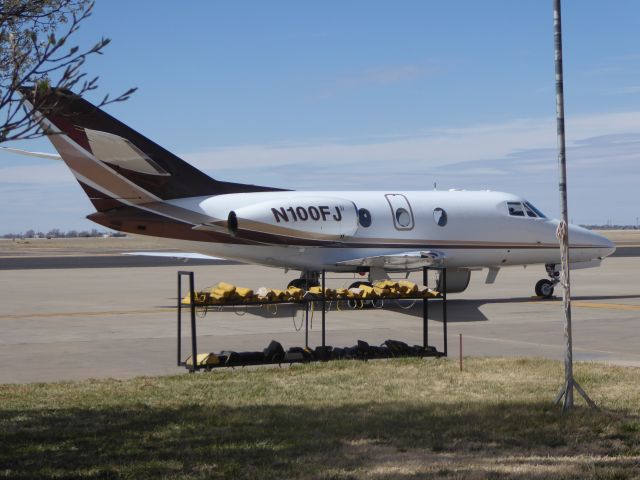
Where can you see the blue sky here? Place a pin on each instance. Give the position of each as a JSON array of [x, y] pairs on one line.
[[365, 95]]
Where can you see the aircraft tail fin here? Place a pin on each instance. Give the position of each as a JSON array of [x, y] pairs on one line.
[[116, 165]]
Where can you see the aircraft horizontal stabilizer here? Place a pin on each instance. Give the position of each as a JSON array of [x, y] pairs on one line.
[[19, 151], [404, 261]]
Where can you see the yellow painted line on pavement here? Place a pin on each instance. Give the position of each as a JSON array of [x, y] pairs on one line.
[[583, 304], [608, 306]]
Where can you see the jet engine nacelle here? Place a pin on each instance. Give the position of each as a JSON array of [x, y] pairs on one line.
[[457, 280], [304, 218]]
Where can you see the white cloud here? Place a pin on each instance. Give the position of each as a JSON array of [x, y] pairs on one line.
[[424, 151], [49, 173], [518, 156], [386, 75], [378, 76], [630, 90]]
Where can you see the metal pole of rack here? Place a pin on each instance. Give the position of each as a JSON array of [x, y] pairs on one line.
[[194, 348], [323, 309], [444, 308], [425, 310], [179, 317], [306, 324]]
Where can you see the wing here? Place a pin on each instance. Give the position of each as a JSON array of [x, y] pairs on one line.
[[403, 261]]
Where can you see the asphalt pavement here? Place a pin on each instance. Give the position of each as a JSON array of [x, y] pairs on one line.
[[76, 323]]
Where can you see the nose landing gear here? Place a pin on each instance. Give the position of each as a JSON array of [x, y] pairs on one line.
[[544, 288]]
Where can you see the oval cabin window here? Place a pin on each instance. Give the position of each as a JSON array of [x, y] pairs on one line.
[[364, 217], [440, 216], [403, 217]]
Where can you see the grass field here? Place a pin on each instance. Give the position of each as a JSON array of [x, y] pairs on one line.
[[400, 419]]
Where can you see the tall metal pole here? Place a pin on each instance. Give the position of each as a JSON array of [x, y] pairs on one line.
[[562, 232]]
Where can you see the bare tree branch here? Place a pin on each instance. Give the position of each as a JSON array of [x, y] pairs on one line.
[[35, 51]]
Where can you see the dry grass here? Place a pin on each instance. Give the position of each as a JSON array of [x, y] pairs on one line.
[[398, 419], [622, 237]]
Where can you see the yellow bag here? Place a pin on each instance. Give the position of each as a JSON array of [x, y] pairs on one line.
[[227, 287], [355, 293], [200, 298], [219, 294], [389, 284], [265, 293], [428, 293], [204, 359], [407, 287], [366, 291], [244, 293], [381, 292], [343, 293], [294, 293]]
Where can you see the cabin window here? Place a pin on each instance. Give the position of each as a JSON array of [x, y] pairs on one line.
[[400, 211], [440, 217], [364, 217], [403, 218]]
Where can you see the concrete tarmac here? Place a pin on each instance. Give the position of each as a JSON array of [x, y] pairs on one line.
[[78, 323]]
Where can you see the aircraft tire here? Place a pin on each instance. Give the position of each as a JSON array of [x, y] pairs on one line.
[[302, 283], [544, 288]]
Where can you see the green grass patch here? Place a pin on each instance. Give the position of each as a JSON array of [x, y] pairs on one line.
[[385, 419]]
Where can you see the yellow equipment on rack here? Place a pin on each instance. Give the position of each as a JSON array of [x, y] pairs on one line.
[[226, 293]]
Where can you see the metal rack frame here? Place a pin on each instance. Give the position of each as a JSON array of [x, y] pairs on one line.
[[306, 302]]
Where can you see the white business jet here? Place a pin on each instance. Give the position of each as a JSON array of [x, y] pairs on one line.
[[138, 187]]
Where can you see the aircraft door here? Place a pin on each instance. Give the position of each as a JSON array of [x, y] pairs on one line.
[[401, 211]]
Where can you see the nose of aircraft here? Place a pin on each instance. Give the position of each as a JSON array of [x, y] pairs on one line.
[[602, 245], [606, 246]]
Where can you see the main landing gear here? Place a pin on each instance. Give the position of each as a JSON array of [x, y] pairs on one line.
[[306, 280], [312, 279], [545, 287]]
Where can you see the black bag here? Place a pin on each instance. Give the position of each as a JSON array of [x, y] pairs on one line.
[[229, 356], [363, 349], [274, 352], [338, 353], [398, 348], [377, 352], [323, 353], [305, 352], [294, 356], [384, 351], [239, 359]]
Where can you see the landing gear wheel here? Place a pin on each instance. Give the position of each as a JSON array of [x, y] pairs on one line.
[[544, 288], [302, 283]]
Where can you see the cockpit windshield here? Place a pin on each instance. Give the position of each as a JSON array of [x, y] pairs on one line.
[[524, 209], [537, 212]]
